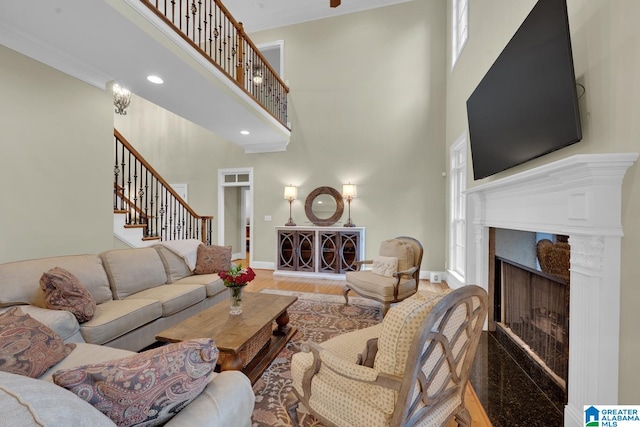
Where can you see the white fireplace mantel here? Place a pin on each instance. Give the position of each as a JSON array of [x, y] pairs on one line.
[[579, 196]]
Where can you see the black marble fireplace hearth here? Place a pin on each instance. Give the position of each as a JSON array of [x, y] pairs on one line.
[[510, 396]]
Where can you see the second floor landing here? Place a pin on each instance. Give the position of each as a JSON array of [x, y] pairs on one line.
[[123, 41]]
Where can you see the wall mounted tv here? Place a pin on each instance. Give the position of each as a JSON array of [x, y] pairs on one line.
[[526, 105]]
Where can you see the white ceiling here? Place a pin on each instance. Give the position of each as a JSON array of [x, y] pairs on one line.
[[258, 15]]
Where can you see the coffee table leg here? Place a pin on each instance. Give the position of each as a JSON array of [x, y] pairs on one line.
[[232, 362], [282, 322]]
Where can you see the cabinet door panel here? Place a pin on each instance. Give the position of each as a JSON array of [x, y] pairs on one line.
[[349, 248], [328, 252], [286, 250], [305, 251]]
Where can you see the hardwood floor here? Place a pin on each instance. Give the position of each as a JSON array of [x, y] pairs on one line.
[[266, 280]]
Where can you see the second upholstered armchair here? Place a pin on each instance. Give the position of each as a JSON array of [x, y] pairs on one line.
[[394, 275]]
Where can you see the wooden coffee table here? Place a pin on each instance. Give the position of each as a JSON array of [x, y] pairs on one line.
[[248, 341]]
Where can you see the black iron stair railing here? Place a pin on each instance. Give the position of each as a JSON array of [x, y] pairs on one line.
[[209, 27], [149, 202]]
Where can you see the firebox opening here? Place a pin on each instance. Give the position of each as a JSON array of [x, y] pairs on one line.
[[531, 305]]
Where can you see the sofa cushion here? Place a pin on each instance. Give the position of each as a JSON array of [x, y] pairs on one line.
[[20, 281], [227, 400], [27, 402], [28, 347], [61, 322], [212, 259], [117, 317], [85, 353], [147, 388], [174, 298], [212, 282], [63, 291], [174, 264], [133, 270]]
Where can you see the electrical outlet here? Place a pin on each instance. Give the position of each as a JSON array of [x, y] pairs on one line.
[[435, 278], [267, 217]]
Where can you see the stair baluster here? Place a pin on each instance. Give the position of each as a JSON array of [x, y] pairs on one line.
[[149, 201]]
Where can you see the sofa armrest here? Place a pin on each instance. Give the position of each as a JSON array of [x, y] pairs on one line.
[[61, 322], [226, 401]]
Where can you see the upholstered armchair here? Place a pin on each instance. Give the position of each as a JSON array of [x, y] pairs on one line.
[[394, 276], [412, 369]]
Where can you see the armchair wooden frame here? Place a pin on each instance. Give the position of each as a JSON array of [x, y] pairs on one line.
[[413, 272], [445, 345]]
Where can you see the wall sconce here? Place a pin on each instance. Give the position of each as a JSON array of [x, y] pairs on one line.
[[290, 194], [349, 192], [258, 75], [121, 99]]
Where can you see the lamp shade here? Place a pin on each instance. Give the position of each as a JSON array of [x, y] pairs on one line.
[[349, 191], [290, 192]]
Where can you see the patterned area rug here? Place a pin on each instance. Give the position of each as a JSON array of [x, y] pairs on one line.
[[318, 318]]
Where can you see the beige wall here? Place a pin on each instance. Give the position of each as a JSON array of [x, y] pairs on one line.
[[606, 51], [57, 165], [366, 106]]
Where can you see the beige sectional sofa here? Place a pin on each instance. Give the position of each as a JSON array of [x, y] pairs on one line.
[[138, 292]]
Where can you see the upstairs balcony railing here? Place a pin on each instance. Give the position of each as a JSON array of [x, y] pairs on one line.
[[209, 27], [149, 202]]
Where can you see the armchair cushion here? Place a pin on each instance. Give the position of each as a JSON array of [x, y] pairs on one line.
[[379, 287], [400, 250], [385, 265]]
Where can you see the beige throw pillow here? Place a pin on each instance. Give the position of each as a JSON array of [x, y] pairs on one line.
[[385, 266], [212, 258]]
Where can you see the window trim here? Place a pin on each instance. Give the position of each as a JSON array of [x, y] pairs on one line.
[[457, 208]]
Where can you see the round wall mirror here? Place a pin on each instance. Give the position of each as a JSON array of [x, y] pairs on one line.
[[324, 206]]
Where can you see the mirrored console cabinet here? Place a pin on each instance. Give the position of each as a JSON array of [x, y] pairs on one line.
[[318, 251]]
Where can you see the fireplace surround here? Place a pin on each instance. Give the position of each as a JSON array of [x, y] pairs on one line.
[[579, 196]]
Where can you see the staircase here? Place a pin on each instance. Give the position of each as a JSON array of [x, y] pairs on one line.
[[146, 208]]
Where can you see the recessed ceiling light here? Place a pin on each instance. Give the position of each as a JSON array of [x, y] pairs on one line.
[[245, 132], [155, 79]]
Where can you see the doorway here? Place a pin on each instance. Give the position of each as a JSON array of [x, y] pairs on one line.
[[235, 212]]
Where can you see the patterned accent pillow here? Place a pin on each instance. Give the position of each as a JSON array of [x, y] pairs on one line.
[[28, 347], [63, 291], [385, 265], [212, 258], [147, 388]]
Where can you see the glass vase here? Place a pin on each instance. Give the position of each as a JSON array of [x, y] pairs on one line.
[[235, 299]]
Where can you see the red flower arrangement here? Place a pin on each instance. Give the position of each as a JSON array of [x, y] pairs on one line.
[[237, 276]]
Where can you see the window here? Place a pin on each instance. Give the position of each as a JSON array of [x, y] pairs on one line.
[[457, 230], [459, 28]]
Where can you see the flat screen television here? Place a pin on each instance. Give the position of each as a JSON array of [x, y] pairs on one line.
[[527, 104]]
